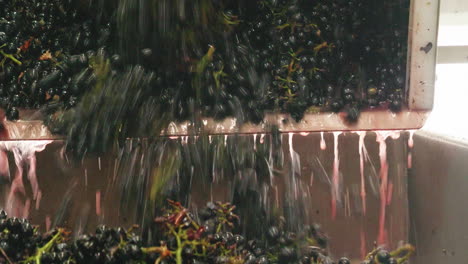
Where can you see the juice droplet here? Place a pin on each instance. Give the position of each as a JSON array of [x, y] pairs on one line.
[[323, 145], [410, 139]]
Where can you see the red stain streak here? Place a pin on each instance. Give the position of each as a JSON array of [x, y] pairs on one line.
[[98, 203], [48, 223], [390, 193]]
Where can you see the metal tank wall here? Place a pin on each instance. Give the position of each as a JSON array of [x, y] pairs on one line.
[[80, 195], [438, 184]]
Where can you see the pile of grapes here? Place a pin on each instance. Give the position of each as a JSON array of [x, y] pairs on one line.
[[204, 58], [45, 47], [182, 238]]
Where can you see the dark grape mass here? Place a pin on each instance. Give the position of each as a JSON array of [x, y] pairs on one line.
[[205, 58], [181, 237]]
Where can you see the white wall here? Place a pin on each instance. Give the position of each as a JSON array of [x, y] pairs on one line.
[[450, 113]]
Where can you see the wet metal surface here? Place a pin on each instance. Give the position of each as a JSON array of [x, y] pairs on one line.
[[81, 195]]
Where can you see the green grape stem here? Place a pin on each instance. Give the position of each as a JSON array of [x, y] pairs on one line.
[[46, 248], [11, 57]]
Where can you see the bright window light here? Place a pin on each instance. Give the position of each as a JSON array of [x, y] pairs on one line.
[[450, 114]]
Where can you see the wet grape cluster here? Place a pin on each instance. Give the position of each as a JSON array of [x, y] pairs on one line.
[[45, 52], [207, 58], [206, 237]]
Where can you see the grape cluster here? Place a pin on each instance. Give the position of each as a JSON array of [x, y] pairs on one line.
[[17, 238], [45, 48], [205, 237]]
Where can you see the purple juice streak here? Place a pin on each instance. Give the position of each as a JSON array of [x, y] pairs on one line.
[[27, 206], [48, 223], [362, 135], [98, 203], [32, 176], [411, 146], [17, 186], [363, 243], [384, 188], [390, 193], [335, 188], [410, 160], [295, 164], [410, 139], [4, 166], [38, 200]]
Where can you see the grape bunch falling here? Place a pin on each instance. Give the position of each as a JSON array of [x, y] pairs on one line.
[[203, 58], [182, 238]]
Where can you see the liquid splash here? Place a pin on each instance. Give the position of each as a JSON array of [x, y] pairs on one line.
[[24, 153]]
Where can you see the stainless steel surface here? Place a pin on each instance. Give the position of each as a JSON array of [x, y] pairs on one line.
[[77, 186], [369, 120], [438, 191], [424, 22]]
